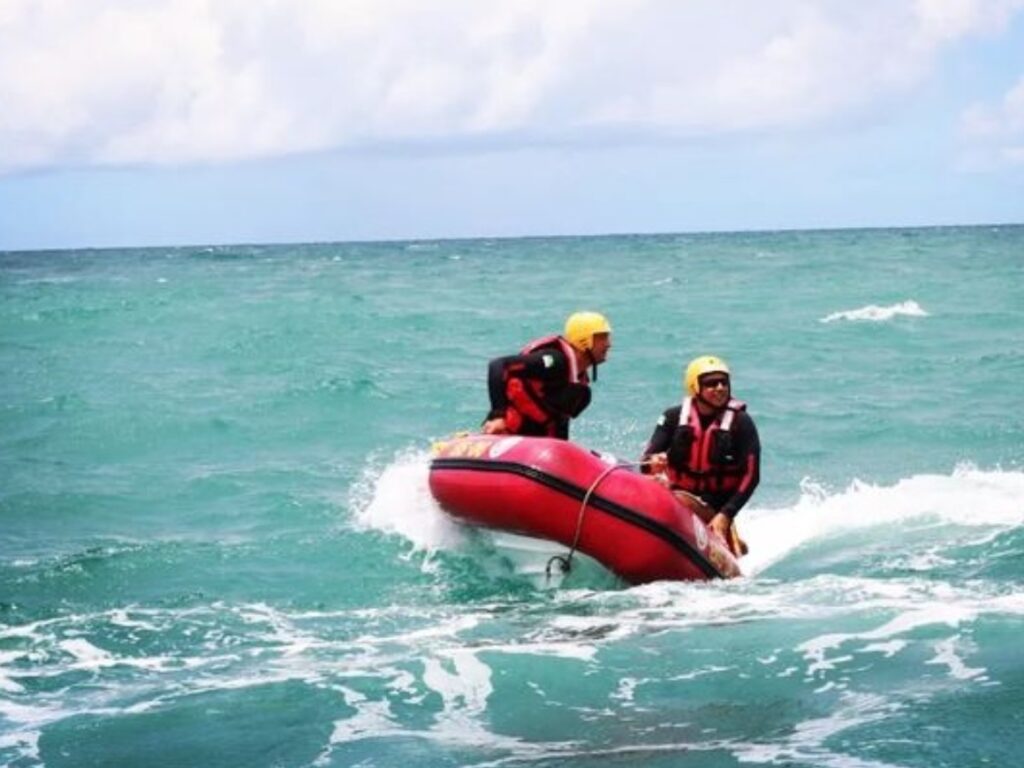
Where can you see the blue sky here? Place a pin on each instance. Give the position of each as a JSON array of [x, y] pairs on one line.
[[161, 122]]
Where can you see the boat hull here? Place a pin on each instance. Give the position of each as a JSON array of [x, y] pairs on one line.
[[556, 490]]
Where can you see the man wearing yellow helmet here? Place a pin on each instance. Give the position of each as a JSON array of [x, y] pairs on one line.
[[708, 446], [539, 390]]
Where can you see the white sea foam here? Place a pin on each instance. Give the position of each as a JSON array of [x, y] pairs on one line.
[[26, 743], [87, 655], [969, 497], [465, 688], [816, 650], [120, 618], [463, 682], [6, 683], [373, 719], [805, 745], [888, 649], [876, 314], [924, 606], [27, 722], [946, 654]]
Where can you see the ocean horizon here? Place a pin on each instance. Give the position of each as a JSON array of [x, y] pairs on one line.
[[457, 238]]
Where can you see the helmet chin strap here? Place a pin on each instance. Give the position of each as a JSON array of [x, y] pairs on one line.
[[593, 362]]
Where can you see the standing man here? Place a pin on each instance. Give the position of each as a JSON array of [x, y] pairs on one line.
[[708, 446], [539, 390]]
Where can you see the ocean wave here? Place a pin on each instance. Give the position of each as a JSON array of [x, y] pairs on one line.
[[876, 314], [968, 497], [835, 636]]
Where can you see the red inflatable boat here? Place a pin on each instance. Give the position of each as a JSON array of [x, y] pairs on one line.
[[556, 490]]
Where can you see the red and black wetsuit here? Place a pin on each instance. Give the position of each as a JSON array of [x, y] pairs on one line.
[[716, 457], [539, 390]]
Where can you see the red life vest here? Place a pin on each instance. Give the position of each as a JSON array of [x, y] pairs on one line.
[[708, 465], [528, 400]]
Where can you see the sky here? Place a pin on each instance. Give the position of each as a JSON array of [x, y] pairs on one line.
[[187, 122]]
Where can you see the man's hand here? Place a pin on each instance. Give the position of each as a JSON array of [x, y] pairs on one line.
[[720, 524], [495, 427], [657, 463]]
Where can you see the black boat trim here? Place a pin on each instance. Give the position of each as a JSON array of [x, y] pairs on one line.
[[598, 502]]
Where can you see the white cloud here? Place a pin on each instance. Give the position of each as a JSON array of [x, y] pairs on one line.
[[994, 134], [168, 81], [1005, 119]]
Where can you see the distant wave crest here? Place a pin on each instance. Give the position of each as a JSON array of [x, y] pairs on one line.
[[875, 314]]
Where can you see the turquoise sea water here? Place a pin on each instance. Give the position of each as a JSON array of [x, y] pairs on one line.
[[217, 546]]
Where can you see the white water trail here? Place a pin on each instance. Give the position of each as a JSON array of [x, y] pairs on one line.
[[876, 314], [992, 500]]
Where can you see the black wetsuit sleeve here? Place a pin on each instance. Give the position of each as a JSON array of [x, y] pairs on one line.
[[661, 438], [748, 445], [496, 387], [548, 365]]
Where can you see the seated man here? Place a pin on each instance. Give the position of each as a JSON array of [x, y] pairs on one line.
[[539, 390], [708, 446]]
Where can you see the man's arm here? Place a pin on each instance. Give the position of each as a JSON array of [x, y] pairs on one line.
[[496, 386], [658, 444], [749, 449]]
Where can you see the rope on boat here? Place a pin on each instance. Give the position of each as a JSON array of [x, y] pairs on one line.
[[565, 561]]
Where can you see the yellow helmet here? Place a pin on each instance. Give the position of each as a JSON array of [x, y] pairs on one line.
[[581, 327], [699, 367]]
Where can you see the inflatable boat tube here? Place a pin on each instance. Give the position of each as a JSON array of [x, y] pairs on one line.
[[556, 490]]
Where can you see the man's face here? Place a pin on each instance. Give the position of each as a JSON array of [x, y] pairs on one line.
[[714, 389], [602, 343]]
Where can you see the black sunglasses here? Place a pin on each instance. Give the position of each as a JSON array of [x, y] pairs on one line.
[[712, 383]]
